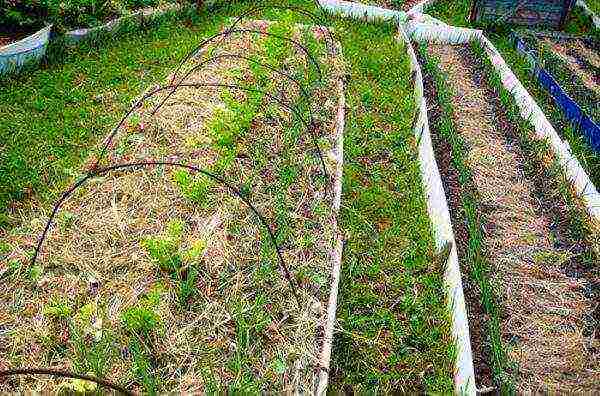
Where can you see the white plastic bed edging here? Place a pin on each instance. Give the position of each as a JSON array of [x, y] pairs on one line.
[[530, 111], [437, 206], [30, 49], [75, 36], [464, 377], [588, 11], [354, 10], [338, 155]]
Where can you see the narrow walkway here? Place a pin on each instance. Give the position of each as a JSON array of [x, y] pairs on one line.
[[545, 324]]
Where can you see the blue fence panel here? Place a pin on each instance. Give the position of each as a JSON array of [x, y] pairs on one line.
[[548, 82], [571, 109], [591, 131]]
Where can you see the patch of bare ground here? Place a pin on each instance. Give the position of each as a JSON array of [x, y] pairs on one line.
[[546, 310], [162, 280], [454, 191]]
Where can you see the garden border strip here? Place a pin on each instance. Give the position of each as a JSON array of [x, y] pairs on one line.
[[28, 50], [569, 107], [75, 36], [338, 153], [439, 215], [587, 10], [350, 9], [583, 188]]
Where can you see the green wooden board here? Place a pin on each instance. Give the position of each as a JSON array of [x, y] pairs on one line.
[[549, 13]]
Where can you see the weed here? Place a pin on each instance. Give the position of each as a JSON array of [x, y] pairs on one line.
[[35, 273], [58, 309], [140, 320], [197, 189], [164, 250]]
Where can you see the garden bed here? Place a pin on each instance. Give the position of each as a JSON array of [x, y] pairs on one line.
[[159, 278], [513, 243], [575, 64]]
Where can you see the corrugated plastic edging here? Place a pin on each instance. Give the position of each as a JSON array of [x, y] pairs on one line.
[[29, 50], [437, 207], [138, 17]]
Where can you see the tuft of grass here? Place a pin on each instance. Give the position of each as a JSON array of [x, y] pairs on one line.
[[58, 309], [164, 250]]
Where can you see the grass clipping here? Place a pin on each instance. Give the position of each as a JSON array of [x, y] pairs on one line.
[[160, 279]]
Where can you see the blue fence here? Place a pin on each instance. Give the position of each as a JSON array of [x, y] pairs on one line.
[[568, 106]]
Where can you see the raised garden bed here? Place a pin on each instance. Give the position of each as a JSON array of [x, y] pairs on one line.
[[17, 49], [159, 278], [505, 231]]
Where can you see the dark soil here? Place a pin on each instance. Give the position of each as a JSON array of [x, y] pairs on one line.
[[454, 191]]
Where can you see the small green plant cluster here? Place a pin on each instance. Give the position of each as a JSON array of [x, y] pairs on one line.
[[196, 189], [141, 322], [181, 264], [63, 14], [470, 211]]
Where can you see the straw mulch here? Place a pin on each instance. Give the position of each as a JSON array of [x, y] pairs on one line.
[[241, 327], [546, 311]]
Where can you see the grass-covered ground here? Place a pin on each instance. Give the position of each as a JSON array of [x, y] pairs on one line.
[[393, 331], [52, 117], [394, 328]]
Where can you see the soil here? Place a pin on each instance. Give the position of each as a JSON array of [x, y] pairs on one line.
[[454, 191], [8, 38], [548, 326]]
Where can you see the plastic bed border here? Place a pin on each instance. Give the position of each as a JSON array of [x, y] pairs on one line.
[[32, 49]]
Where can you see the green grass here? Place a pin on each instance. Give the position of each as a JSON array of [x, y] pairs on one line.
[[394, 324], [455, 13], [470, 214], [53, 116]]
